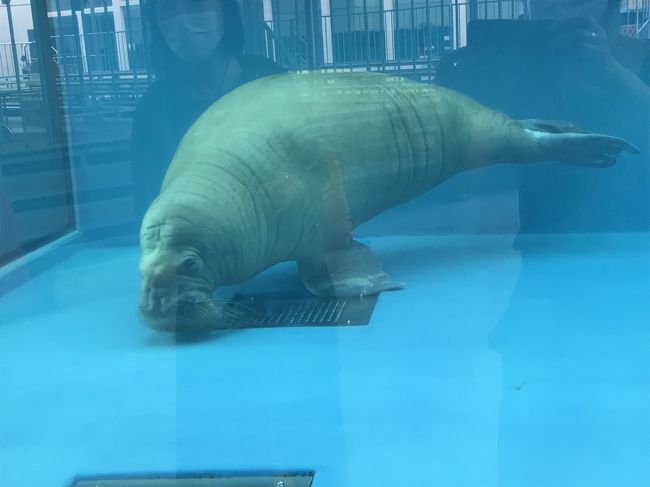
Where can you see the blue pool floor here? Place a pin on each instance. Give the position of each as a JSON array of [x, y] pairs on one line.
[[506, 361]]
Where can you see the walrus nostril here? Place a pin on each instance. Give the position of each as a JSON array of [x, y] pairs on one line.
[[168, 304], [158, 293], [158, 300]]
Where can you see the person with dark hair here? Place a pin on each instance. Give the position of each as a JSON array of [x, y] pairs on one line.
[[197, 56]]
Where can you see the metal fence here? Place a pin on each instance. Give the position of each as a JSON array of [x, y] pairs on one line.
[[107, 71], [90, 55], [406, 37], [98, 73], [636, 18]]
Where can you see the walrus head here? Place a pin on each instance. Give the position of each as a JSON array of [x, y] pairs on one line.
[[179, 275], [175, 289]]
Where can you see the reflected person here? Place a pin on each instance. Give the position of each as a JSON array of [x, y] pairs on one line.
[[631, 53], [569, 63], [197, 55], [598, 71]]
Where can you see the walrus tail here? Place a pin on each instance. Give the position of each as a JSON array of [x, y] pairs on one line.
[[572, 144]]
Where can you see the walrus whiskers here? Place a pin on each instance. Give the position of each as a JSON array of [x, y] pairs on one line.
[[203, 316]]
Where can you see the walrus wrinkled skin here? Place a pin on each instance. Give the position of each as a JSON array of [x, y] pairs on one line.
[[284, 168]]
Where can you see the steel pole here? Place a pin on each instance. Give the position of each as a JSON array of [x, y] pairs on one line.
[[14, 56]]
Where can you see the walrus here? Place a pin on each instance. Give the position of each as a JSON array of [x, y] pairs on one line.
[[283, 168]]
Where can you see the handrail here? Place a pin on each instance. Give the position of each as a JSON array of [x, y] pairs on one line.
[[278, 43]]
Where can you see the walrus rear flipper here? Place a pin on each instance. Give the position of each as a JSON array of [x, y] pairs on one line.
[[580, 149], [350, 271], [553, 126]]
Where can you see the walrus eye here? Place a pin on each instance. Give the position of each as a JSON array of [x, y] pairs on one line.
[[189, 265]]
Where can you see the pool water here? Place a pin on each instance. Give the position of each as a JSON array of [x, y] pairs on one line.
[[506, 361]]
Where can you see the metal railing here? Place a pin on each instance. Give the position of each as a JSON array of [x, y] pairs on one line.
[[97, 73], [635, 14], [278, 51], [91, 53], [107, 71], [403, 35], [406, 37]]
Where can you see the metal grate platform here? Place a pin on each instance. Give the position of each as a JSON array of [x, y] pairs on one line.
[[280, 480], [275, 310]]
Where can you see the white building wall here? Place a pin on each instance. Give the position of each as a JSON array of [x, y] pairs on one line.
[[22, 18]]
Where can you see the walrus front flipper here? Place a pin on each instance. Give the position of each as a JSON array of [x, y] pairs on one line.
[[339, 266], [350, 271], [580, 149]]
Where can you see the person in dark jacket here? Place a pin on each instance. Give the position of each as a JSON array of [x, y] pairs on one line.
[[560, 68], [197, 56], [578, 69]]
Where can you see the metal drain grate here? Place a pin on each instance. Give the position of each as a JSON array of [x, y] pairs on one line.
[[279, 480], [273, 310]]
